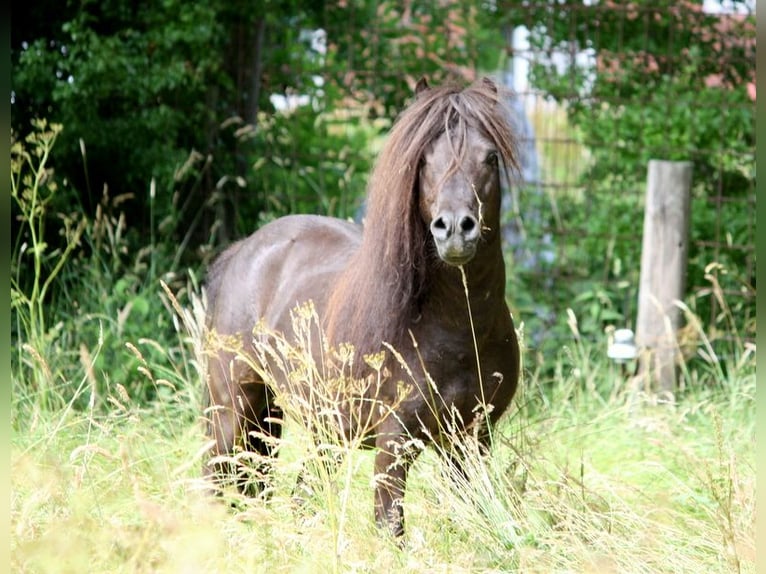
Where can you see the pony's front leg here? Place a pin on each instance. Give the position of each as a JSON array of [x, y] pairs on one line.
[[392, 462], [313, 471], [463, 451]]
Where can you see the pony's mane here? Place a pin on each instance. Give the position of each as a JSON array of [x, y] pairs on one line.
[[382, 286]]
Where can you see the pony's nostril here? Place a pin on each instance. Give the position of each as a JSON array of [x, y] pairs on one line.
[[467, 224], [440, 229]]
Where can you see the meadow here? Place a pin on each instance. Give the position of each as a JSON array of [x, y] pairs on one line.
[[586, 474]]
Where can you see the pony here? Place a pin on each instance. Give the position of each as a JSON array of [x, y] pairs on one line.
[[420, 285]]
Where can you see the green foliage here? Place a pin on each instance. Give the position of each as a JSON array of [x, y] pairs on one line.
[[130, 83], [172, 147], [33, 189], [75, 307], [665, 81], [307, 162]]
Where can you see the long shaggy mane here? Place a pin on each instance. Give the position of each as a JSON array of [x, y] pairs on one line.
[[384, 283]]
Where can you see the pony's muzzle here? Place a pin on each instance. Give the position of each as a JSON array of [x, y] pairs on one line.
[[456, 236]]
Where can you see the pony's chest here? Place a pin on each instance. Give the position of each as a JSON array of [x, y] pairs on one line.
[[460, 379]]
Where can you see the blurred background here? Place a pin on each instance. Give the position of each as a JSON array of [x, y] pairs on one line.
[[149, 135]]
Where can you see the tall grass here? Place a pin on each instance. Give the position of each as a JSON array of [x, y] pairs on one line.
[[580, 478], [33, 189]]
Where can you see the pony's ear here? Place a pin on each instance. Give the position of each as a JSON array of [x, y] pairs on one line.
[[421, 86], [490, 84]]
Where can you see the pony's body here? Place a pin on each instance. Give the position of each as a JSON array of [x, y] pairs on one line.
[[434, 206], [312, 247]]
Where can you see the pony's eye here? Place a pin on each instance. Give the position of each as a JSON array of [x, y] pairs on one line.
[[491, 158]]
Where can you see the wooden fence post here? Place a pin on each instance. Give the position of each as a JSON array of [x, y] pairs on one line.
[[664, 254]]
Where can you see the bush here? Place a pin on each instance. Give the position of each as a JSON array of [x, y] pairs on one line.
[[665, 81]]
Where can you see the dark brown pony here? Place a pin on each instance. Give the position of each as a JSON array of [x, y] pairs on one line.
[[433, 209]]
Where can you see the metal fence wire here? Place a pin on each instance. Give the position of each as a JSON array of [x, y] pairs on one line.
[[598, 89], [601, 89]]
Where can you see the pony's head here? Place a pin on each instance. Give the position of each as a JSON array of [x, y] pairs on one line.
[[459, 172], [434, 192], [442, 168]]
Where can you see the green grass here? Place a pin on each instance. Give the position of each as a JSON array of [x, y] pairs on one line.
[[583, 477]]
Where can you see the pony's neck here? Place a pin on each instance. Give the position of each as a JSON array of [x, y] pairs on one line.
[[484, 273], [485, 282]]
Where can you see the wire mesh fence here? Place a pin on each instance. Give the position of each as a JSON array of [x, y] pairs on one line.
[[607, 87], [598, 89]]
